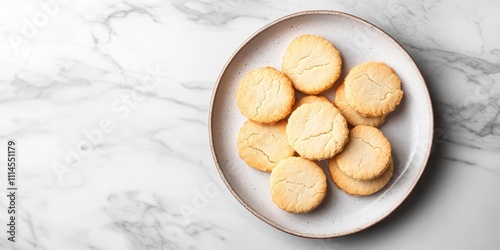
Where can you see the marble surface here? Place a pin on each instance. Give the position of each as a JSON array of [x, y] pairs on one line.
[[109, 100]]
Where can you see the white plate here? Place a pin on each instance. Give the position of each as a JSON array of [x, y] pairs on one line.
[[409, 127]]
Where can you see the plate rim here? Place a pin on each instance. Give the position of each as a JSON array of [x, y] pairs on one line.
[[215, 91]]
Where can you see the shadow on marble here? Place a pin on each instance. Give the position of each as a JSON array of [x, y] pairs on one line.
[[408, 210], [419, 197]]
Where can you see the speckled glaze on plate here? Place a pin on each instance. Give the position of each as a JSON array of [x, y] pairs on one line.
[[409, 127]]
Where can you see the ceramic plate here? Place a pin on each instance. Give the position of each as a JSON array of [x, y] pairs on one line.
[[409, 127]]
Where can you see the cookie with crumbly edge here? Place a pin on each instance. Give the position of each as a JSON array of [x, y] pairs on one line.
[[317, 130], [297, 185], [263, 146], [366, 155], [373, 89], [353, 117], [359, 187], [312, 63], [265, 95], [309, 99]]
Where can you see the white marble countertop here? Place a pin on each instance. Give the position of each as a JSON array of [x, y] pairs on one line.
[[108, 103]]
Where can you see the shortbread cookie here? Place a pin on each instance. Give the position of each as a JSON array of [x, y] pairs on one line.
[[263, 146], [353, 117], [317, 130], [297, 185], [312, 63], [366, 155], [265, 95], [373, 89], [309, 99], [359, 187]]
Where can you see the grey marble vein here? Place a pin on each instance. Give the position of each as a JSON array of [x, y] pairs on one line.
[[150, 181]]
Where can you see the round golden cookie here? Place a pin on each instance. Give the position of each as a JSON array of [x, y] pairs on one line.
[[265, 95], [359, 187], [366, 155], [263, 146], [373, 89], [309, 99], [353, 117], [317, 130], [312, 63], [297, 185]]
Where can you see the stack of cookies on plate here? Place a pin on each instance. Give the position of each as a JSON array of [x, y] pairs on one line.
[[286, 137]]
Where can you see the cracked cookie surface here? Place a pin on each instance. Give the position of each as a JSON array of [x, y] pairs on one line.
[[309, 99], [353, 117], [312, 63], [359, 187], [367, 154], [373, 89], [317, 130], [265, 95], [263, 146], [297, 185]]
